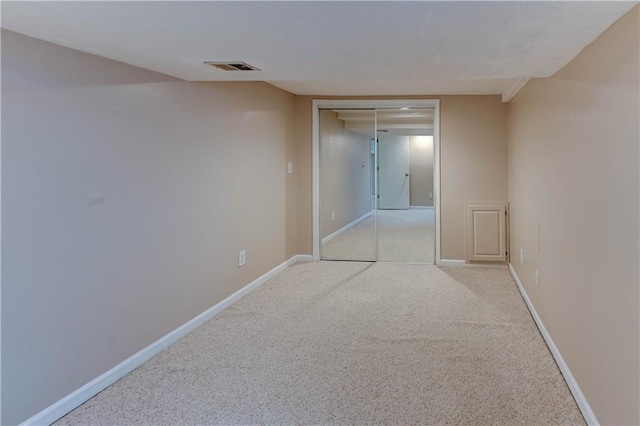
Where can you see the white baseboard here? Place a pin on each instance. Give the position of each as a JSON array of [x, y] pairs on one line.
[[463, 263], [303, 258], [345, 228], [89, 390], [421, 207], [451, 262], [581, 400]]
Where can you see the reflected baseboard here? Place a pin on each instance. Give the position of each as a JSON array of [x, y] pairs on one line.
[[345, 228]]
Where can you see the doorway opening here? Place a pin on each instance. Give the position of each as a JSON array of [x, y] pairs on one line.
[[376, 180]]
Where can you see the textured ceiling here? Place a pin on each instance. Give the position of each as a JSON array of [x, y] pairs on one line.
[[331, 48]]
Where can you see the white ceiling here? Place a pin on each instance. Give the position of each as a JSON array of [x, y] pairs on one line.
[[331, 48]]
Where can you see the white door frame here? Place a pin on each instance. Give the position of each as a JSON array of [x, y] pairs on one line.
[[373, 103]]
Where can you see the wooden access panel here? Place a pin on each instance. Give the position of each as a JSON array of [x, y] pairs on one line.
[[486, 232]]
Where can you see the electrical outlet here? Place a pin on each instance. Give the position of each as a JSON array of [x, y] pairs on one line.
[[521, 256], [333, 215], [242, 257], [537, 279], [431, 195]]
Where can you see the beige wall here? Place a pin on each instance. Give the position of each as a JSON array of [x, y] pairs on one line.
[[421, 170], [473, 158], [574, 168], [473, 161], [126, 197], [346, 185]]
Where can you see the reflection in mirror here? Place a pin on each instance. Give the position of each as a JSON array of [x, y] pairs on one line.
[[347, 218], [405, 185]]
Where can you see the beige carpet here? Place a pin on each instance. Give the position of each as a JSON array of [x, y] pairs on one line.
[[403, 236], [353, 343]]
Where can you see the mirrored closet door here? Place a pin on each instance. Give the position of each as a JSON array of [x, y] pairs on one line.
[[376, 185]]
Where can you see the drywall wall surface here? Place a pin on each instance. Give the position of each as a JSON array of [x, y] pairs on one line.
[[574, 196], [345, 170], [421, 170], [126, 197], [473, 159]]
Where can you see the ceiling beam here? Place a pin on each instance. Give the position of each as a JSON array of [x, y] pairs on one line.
[[513, 89]]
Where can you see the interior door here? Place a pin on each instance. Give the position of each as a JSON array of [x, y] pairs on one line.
[[393, 171]]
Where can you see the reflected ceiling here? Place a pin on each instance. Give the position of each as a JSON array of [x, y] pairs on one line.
[[413, 121]]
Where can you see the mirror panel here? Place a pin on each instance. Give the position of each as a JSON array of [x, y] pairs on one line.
[[347, 184], [405, 212]]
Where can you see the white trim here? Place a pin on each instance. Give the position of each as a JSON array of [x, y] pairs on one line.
[[65, 405], [463, 263], [376, 186], [421, 207], [436, 179], [513, 90], [452, 262], [376, 103], [487, 265], [372, 103], [315, 178], [303, 258], [346, 227], [581, 400]]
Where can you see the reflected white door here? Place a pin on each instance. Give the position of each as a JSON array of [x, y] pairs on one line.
[[393, 171]]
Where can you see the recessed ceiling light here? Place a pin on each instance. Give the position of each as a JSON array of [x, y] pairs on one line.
[[405, 108], [233, 66]]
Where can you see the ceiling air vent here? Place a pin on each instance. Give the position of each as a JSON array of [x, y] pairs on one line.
[[233, 66]]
